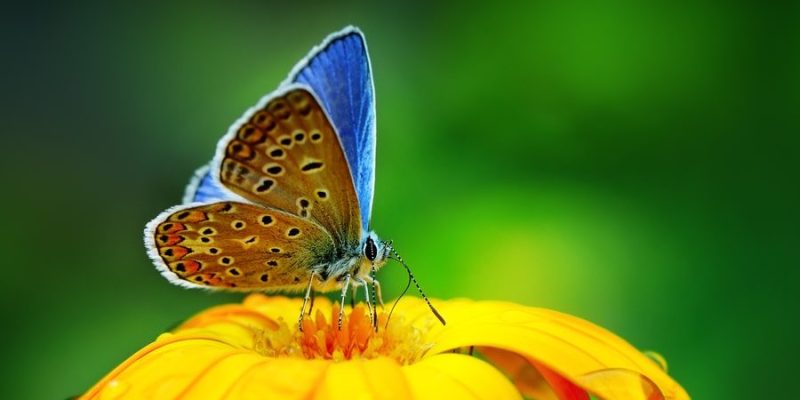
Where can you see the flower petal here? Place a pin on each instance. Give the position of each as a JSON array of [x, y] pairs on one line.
[[168, 367], [456, 376], [562, 387], [240, 351], [219, 375], [525, 376], [569, 346], [622, 384], [278, 378], [380, 378]]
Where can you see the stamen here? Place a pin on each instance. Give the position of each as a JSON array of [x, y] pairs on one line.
[[321, 338]]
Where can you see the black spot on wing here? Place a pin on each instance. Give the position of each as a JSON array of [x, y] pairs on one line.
[[312, 166]]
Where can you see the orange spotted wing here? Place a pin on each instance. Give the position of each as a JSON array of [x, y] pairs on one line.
[[298, 205]]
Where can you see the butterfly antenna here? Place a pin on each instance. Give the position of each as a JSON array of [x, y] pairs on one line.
[[403, 293], [412, 279]]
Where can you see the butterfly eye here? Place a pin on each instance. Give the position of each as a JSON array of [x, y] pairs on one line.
[[370, 250]]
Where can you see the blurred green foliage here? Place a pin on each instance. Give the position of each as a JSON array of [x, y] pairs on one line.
[[630, 163]]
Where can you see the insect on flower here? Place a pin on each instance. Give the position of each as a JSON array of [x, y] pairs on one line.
[[286, 201]]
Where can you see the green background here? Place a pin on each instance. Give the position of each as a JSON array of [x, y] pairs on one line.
[[630, 163]]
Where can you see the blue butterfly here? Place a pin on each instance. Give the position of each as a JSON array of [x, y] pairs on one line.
[[286, 202]]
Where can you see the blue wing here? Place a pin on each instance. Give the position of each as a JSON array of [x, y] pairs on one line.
[[339, 73], [203, 189]]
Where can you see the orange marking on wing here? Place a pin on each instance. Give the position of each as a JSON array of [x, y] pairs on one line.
[[190, 216], [172, 227], [186, 267], [250, 134], [240, 150], [213, 280], [174, 252], [231, 248], [172, 240]]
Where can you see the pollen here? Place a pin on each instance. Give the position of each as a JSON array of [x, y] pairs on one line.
[[322, 339]]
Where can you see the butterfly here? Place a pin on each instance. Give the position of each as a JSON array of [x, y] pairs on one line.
[[286, 202]]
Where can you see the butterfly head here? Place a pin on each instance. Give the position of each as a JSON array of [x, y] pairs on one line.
[[375, 251]]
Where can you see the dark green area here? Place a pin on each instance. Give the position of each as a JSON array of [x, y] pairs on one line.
[[631, 163]]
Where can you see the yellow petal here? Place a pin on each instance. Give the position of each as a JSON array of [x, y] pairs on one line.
[[380, 378], [456, 376], [249, 351], [278, 378], [622, 384], [572, 347], [219, 375], [168, 367]]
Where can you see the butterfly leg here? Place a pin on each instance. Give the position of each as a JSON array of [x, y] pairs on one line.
[[307, 297], [311, 306], [376, 290], [344, 294], [370, 304], [377, 284]]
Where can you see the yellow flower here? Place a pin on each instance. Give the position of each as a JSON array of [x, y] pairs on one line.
[[487, 350]]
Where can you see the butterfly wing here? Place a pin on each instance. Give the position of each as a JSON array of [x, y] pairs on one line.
[[285, 154], [338, 71], [202, 188], [235, 246]]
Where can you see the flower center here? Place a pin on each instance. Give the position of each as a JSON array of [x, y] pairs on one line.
[[321, 338]]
